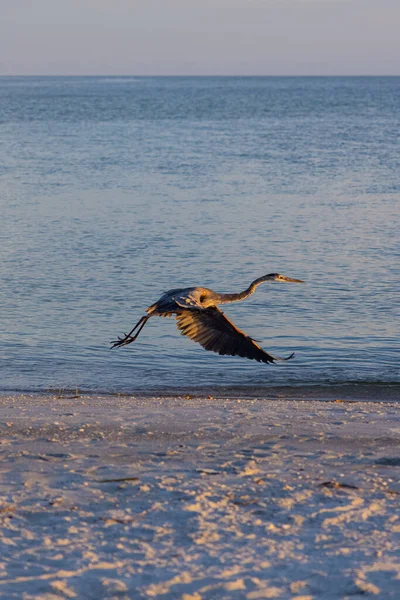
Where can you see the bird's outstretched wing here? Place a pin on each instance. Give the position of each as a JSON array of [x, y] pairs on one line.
[[215, 332]]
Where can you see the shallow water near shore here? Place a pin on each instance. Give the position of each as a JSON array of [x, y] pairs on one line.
[[113, 190]]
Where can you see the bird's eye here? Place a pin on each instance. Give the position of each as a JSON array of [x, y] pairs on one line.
[[203, 297]]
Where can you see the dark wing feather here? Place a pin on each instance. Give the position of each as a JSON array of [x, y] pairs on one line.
[[215, 332]]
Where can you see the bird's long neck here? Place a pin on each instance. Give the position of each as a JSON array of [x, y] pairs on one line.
[[242, 295]]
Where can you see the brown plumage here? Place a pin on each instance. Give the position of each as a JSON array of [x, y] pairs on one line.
[[215, 332], [199, 318]]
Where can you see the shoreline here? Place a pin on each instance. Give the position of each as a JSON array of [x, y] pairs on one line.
[[356, 391], [198, 498]]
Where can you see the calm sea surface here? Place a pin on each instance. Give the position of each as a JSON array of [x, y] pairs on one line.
[[113, 190]]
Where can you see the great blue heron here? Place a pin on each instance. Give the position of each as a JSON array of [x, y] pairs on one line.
[[198, 317]]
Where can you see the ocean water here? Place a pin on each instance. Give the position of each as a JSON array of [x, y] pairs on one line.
[[115, 189]]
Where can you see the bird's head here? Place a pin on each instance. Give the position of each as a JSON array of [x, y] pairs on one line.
[[281, 278]]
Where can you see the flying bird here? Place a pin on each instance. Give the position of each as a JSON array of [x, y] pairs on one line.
[[198, 316]]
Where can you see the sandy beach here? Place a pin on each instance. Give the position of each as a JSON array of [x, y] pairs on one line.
[[291, 494]]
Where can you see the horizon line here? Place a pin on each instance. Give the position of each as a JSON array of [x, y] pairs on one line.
[[195, 75]]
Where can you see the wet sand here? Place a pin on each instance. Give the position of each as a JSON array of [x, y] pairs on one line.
[[290, 494]]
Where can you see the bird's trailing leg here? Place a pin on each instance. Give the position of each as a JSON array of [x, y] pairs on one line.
[[129, 338]]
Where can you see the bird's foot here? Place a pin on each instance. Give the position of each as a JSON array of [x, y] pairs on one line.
[[123, 341]]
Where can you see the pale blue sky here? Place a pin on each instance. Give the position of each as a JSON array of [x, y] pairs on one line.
[[231, 37]]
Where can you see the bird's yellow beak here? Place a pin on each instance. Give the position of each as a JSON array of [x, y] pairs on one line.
[[290, 279]]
